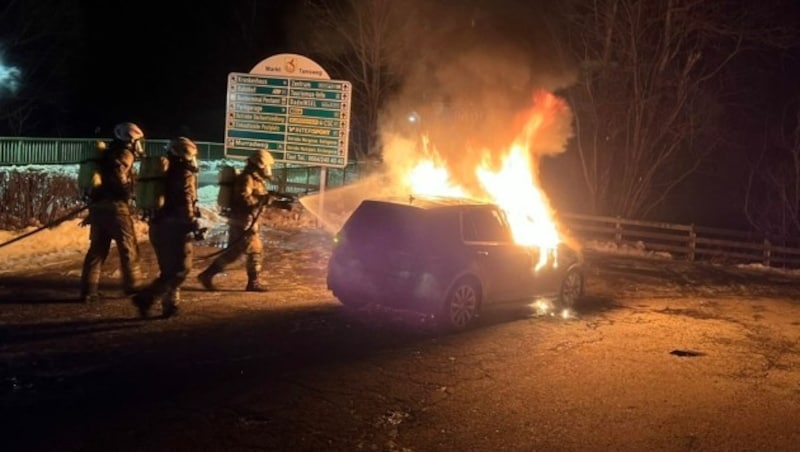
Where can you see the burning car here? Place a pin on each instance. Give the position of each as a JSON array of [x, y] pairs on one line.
[[448, 257]]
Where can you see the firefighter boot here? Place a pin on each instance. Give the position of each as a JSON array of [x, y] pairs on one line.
[[170, 302], [207, 275], [89, 294], [254, 284], [143, 300]]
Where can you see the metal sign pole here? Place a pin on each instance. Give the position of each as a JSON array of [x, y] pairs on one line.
[[323, 177]]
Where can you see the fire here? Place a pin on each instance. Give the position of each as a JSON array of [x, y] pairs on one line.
[[513, 185], [430, 177]]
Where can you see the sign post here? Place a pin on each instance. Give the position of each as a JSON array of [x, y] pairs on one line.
[[288, 105]]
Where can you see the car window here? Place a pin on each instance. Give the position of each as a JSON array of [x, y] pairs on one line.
[[382, 224], [485, 225]]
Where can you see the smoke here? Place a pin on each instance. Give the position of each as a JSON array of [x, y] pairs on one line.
[[9, 78], [474, 71]]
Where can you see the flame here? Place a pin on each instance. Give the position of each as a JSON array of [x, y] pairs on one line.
[[513, 185], [430, 177]]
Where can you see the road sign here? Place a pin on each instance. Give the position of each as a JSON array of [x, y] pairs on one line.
[[299, 120]]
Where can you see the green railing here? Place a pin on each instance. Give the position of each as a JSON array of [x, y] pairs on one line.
[[54, 151], [293, 178]]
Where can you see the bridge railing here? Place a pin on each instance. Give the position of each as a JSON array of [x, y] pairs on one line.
[[294, 178], [54, 151]]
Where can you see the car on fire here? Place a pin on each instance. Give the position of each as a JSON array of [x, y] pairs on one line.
[[450, 258]]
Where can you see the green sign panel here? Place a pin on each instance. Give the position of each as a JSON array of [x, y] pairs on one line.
[[298, 120]]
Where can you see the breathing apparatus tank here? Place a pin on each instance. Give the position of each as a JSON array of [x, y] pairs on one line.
[[151, 184], [227, 178], [89, 170]]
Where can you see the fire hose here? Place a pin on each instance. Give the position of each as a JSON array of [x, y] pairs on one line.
[[49, 225]]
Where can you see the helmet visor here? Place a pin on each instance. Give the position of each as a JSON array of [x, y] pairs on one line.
[[138, 147]]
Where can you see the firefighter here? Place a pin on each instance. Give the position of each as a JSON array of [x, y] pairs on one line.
[[249, 195], [111, 214], [172, 229]]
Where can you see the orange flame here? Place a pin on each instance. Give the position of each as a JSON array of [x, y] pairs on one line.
[[514, 185]]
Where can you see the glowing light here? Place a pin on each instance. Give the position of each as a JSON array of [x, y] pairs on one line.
[[542, 307], [9, 78]]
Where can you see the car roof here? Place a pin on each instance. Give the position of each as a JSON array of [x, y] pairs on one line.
[[430, 202]]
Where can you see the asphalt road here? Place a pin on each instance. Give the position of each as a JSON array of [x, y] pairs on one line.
[[659, 356]]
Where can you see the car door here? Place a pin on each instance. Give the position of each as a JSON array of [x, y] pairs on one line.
[[504, 267]]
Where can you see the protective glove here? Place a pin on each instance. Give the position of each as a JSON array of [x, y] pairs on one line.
[[198, 232]]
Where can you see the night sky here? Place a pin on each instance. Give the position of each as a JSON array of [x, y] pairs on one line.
[[160, 64], [167, 68]]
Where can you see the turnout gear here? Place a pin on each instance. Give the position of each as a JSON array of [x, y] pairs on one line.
[[111, 219], [247, 199], [172, 228], [151, 187]]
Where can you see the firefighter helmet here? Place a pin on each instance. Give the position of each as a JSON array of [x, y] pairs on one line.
[[262, 160], [128, 132], [183, 147]]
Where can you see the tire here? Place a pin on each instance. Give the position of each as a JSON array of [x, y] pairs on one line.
[[461, 307], [571, 289]]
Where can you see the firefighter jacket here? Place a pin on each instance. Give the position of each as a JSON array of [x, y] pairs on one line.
[[117, 176], [180, 193], [249, 192]]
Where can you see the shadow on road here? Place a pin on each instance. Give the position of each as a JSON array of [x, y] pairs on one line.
[[22, 333]]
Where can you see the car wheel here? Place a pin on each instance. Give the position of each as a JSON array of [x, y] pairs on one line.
[[571, 289], [461, 307]]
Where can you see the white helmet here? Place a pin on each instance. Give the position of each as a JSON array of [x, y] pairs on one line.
[[263, 161], [130, 133]]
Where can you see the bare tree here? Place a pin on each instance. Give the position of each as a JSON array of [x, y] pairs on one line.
[[360, 41], [35, 40], [772, 197], [644, 102]]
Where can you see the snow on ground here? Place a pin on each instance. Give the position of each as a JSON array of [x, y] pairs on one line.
[[70, 240]]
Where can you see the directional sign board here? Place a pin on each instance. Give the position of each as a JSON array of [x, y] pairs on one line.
[[298, 120]]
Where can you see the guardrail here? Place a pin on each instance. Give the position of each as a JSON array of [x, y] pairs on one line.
[[54, 151], [293, 178], [690, 242]]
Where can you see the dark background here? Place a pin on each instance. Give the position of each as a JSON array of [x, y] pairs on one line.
[[162, 64], [166, 69]]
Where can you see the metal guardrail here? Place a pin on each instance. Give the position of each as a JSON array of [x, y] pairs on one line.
[[293, 178], [54, 151], [687, 241]]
